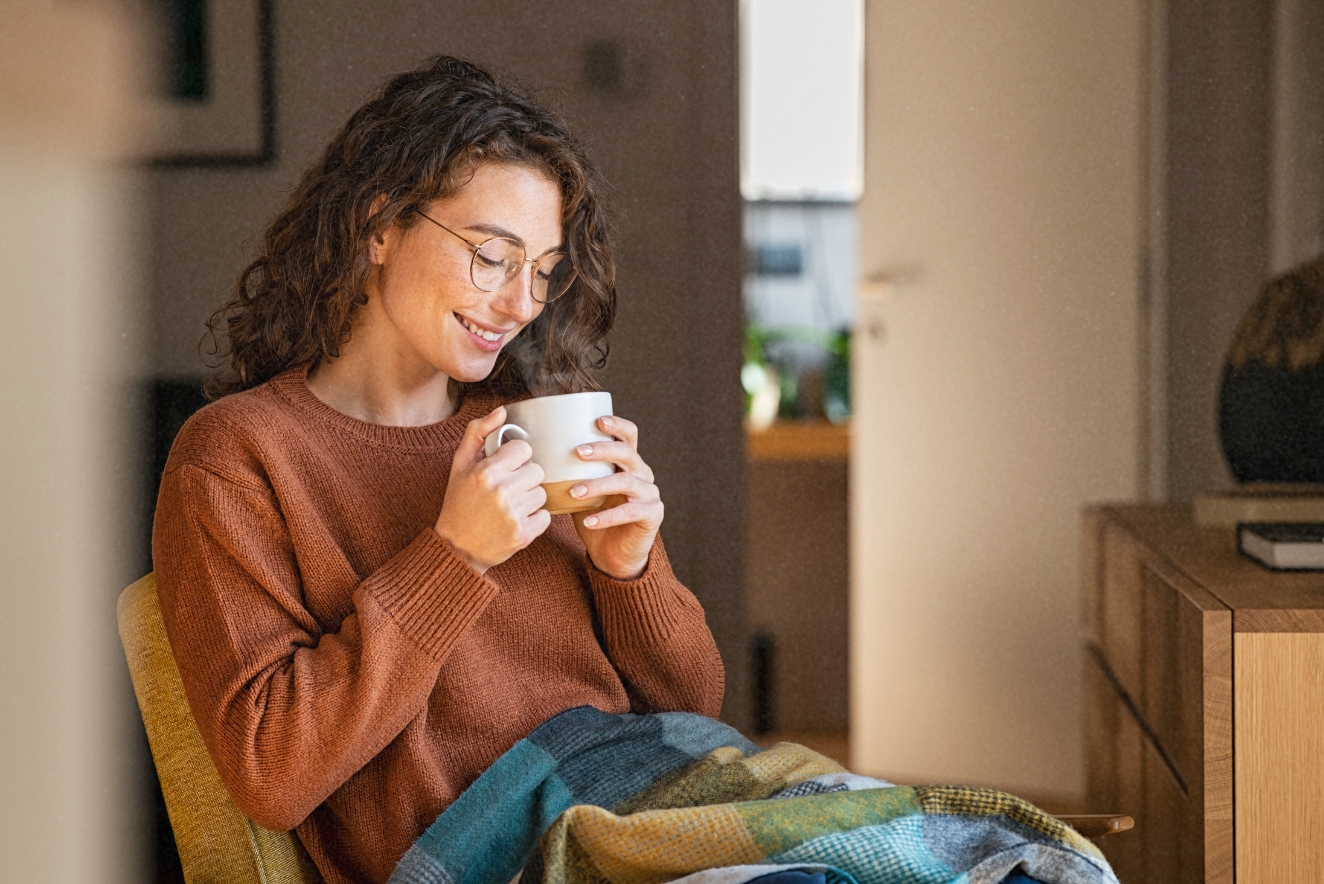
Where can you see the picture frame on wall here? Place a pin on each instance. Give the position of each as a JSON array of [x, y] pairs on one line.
[[215, 104]]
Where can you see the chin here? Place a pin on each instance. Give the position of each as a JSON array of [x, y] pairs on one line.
[[471, 373]]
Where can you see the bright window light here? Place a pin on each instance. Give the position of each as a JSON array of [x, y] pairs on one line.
[[801, 98]]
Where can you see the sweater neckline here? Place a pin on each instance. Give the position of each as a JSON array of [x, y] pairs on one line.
[[292, 386]]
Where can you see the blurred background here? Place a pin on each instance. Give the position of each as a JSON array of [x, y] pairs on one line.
[[903, 287]]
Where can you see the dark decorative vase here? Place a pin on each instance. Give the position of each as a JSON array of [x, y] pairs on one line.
[[1271, 405], [1271, 422]]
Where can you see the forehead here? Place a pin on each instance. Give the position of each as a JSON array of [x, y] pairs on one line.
[[519, 199]]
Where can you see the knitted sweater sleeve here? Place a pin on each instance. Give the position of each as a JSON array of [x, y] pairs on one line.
[[658, 640], [289, 708]]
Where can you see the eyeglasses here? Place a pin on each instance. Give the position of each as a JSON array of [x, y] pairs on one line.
[[498, 260]]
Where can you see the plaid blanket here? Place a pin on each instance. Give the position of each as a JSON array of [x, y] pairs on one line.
[[592, 798]]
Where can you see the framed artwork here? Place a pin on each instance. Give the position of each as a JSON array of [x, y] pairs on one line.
[[215, 103]]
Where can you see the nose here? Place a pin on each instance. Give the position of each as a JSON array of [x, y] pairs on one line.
[[515, 298]]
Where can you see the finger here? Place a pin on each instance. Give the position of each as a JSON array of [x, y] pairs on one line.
[[625, 484], [539, 521], [470, 449], [620, 453], [497, 473], [528, 477], [511, 456], [620, 428], [533, 500], [635, 512]]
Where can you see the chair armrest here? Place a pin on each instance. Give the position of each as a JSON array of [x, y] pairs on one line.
[[1096, 825]]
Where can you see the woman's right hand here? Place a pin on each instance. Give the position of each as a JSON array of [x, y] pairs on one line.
[[494, 505]]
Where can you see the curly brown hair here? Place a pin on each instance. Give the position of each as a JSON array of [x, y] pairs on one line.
[[416, 141]]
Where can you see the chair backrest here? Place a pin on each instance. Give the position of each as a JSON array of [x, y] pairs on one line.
[[217, 844]]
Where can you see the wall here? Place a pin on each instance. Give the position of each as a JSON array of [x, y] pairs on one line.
[[1237, 179], [666, 141], [70, 757], [1297, 200], [1218, 144]]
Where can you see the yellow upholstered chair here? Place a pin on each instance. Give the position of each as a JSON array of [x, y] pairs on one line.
[[217, 844]]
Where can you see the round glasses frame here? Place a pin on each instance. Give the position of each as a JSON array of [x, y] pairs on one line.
[[506, 277]]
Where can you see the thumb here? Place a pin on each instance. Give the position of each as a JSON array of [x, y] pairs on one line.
[[470, 450]]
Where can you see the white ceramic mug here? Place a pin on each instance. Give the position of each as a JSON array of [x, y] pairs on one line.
[[555, 426]]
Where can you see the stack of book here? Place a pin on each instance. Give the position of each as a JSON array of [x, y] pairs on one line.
[[1283, 546], [1279, 526]]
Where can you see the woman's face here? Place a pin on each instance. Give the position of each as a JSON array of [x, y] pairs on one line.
[[428, 310]]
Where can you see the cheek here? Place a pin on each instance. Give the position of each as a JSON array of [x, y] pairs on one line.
[[418, 279], [416, 296]]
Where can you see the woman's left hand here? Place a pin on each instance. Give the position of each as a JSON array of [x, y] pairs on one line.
[[619, 536]]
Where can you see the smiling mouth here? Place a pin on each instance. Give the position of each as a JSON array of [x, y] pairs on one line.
[[478, 330], [482, 338]]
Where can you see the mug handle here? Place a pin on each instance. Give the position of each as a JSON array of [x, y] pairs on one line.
[[497, 437]]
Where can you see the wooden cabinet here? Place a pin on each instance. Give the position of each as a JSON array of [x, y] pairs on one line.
[[1204, 685], [796, 579]]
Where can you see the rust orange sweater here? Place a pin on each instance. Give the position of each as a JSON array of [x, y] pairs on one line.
[[350, 674]]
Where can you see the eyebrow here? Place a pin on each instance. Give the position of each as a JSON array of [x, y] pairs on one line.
[[498, 230]]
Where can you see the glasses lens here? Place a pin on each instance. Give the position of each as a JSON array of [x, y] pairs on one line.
[[495, 262], [553, 277]]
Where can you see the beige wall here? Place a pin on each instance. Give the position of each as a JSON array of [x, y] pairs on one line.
[[70, 756], [667, 145]]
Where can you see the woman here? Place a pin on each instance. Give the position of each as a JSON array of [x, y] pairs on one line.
[[367, 612]]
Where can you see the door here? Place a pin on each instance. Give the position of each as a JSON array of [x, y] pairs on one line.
[[996, 378]]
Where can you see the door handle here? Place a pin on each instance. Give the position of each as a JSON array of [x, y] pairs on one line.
[[877, 289], [880, 286]]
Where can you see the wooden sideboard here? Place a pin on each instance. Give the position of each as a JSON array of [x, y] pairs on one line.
[[1204, 685]]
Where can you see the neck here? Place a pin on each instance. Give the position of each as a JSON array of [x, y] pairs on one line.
[[381, 384]]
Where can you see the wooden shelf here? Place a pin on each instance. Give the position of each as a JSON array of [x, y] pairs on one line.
[[799, 440], [833, 745]]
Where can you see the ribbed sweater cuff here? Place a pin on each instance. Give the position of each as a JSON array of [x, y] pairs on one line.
[[646, 610], [431, 593]]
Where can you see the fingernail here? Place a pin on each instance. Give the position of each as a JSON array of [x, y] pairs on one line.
[[584, 450], [579, 491], [590, 521], [608, 423]]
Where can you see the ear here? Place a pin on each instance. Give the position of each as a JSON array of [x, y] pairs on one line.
[[379, 246]]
